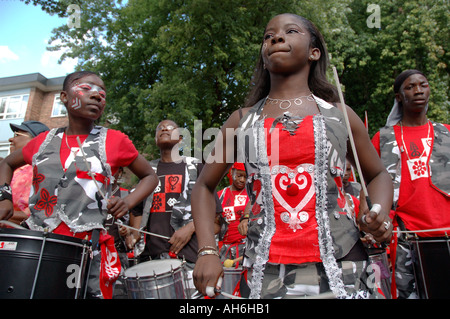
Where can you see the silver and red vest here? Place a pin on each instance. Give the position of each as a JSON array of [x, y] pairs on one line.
[[439, 164], [337, 234], [70, 196]]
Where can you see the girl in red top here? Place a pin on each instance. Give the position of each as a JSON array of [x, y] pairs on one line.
[[60, 171], [295, 158]]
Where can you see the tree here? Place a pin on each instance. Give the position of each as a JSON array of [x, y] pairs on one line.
[[412, 35], [184, 60], [193, 60]]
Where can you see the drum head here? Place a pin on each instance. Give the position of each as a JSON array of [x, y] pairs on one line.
[[153, 267], [35, 264]]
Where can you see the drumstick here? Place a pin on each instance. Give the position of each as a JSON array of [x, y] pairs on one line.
[[376, 207], [325, 295], [421, 231], [11, 224], [350, 136], [119, 223], [229, 262]]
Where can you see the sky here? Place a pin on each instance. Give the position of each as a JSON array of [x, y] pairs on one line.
[[24, 34]]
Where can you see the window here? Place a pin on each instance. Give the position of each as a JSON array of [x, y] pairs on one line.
[[59, 108], [12, 107]]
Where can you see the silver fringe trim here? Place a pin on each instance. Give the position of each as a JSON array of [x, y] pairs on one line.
[[59, 217], [263, 246], [60, 211], [44, 144], [332, 269], [103, 159]]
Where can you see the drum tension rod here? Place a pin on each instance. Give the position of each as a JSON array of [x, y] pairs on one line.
[[36, 274]]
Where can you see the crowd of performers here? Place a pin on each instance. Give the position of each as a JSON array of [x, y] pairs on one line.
[[290, 224]]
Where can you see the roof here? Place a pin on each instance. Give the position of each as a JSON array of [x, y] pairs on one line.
[[31, 80]]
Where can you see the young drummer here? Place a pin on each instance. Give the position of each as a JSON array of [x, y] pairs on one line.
[[300, 240], [71, 185]]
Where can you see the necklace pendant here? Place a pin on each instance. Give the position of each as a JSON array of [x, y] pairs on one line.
[[417, 168], [286, 104], [63, 182]]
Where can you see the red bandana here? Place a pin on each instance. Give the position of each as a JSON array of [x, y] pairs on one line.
[[110, 264]]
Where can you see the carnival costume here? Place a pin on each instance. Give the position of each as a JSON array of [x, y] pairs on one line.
[[421, 189], [299, 213], [233, 204]]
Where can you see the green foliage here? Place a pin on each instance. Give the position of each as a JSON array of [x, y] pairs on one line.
[[193, 60], [412, 35]]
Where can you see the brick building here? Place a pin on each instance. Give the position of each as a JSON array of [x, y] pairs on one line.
[[29, 97]]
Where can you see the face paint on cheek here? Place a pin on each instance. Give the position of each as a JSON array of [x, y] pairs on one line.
[[404, 96], [76, 103]]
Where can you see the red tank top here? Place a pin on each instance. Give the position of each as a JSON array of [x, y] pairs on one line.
[[291, 151]]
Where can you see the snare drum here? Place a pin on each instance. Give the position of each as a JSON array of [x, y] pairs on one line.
[[380, 265], [431, 257], [40, 265], [231, 280], [157, 279]]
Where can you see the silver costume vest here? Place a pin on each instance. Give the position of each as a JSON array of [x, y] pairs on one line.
[[439, 164], [181, 211], [337, 233], [70, 197]]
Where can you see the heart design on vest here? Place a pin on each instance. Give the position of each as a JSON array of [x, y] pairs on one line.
[[293, 189], [173, 181]]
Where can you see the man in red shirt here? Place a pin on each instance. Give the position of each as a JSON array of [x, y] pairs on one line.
[[234, 199], [415, 152]]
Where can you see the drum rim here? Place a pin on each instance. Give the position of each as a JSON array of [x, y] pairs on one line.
[[156, 280], [159, 261], [49, 239], [429, 239], [233, 270]]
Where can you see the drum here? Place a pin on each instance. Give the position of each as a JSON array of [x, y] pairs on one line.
[[379, 264], [231, 280], [40, 265], [431, 260], [157, 279]]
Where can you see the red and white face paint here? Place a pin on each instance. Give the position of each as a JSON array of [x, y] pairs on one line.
[[81, 89], [76, 103]]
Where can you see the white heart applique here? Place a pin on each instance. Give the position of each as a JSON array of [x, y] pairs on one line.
[[290, 185]]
